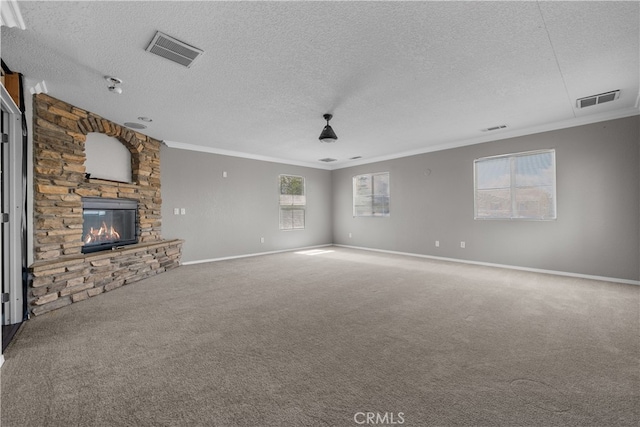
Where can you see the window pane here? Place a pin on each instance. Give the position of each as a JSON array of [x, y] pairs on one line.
[[292, 185], [292, 202], [493, 173], [371, 194], [291, 219], [363, 185], [298, 218], [363, 207], [494, 203], [380, 206], [362, 195], [381, 184], [286, 219], [536, 202], [286, 199], [534, 170]]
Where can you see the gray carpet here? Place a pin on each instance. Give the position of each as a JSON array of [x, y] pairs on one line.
[[342, 338]]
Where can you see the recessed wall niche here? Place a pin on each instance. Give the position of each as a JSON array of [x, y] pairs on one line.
[[107, 158]]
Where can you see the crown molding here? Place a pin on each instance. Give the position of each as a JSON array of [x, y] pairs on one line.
[[563, 124], [203, 149], [10, 15]]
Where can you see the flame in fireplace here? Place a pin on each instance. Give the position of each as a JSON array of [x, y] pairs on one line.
[[102, 234]]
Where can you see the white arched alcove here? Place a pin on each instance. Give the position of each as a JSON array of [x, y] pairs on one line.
[[107, 158]]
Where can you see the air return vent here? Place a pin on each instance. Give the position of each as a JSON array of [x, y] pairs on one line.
[[597, 99], [328, 159], [494, 128], [173, 49]]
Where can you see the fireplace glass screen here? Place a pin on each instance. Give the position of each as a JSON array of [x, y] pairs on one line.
[[108, 223]]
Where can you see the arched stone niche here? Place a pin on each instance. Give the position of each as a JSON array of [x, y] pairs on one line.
[[107, 158]]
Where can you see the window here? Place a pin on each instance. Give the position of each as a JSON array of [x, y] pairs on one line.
[[292, 202], [516, 186], [371, 194]]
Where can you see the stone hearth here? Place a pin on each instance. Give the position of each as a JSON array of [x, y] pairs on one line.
[[61, 273]]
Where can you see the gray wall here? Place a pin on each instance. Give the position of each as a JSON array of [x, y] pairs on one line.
[[228, 216], [598, 189], [597, 231]]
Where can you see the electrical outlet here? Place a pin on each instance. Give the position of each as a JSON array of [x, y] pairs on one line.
[[350, 235], [224, 174], [462, 245], [176, 211], [183, 211], [437, 243], [262, 240]]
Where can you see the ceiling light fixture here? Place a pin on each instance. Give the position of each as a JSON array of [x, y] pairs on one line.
[[328, 135], [113, 84]]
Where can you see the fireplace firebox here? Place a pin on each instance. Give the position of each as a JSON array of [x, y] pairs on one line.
[[108, 223]]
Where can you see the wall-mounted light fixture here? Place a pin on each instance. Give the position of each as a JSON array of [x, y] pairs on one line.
[[40, 87]]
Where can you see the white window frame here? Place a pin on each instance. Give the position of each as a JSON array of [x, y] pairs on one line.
[[371, 212], [514, 205], [293, 206]]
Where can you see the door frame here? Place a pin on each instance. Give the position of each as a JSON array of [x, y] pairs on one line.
[[12, 282]]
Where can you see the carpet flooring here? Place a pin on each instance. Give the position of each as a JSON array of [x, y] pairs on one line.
[[332, 337]]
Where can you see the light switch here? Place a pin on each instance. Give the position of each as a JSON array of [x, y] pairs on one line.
[[176, 211]]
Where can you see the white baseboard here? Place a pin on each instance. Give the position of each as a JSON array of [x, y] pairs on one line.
[[201, 261], [509, 267], [463, 261]]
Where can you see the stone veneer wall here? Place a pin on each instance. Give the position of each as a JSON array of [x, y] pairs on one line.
[[62, 274], [60, 282]]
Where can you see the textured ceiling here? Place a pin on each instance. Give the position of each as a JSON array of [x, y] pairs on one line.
[[399, 77]]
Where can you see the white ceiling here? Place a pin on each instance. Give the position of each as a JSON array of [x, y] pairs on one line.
[[400, 77]]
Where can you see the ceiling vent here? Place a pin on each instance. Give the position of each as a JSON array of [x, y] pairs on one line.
[[597, 99], [494, 128], [328, 159], [174, 49]]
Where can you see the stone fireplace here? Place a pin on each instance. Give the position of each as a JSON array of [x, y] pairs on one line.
[[64, 271]]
